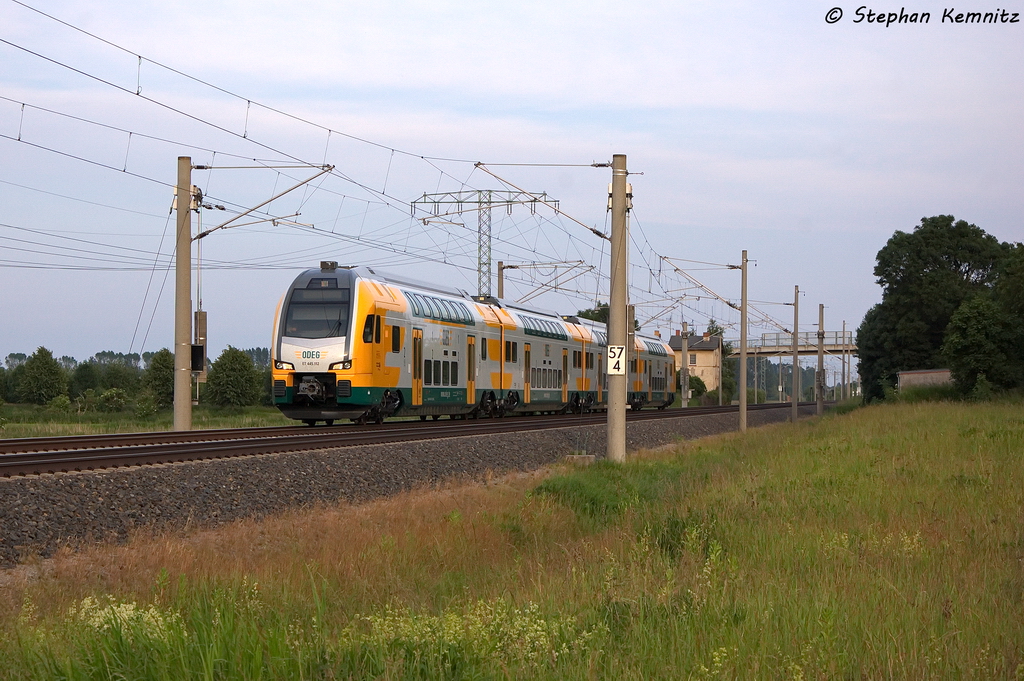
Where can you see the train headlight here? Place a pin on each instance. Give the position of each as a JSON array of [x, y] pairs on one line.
[[347, 364], [278, 364]]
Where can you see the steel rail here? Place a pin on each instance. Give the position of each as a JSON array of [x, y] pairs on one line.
[[70, 454]]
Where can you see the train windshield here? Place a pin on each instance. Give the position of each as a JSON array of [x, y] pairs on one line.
[[318, 313]]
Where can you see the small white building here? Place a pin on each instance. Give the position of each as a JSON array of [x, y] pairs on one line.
[[703, 357]]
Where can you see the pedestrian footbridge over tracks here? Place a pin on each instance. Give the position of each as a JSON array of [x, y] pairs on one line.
[[836, 343]]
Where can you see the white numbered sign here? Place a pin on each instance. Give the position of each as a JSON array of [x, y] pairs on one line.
[[616, 360]]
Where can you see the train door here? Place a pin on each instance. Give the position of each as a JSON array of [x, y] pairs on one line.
[[506, 356], [417, 367], [378, 347], [526, 373], [471, 369], [583, 367], [565, 375], [650, 385]]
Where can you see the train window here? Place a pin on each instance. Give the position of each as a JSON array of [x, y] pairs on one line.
[[435, 311], [376, 329], [455, 373], [415, 302], [427, 373], [547, 350], [444, 373], [483, 349], [508, 351], [590, 360], [437, 372], [515, 351], [442, 306], [318, 313], [368, 329], [560, 375], [396, 339]]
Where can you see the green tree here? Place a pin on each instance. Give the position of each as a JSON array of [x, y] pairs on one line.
[[43, 378], [730, 367], [600, 314], [925, 276], [1008, 291], [3, 385], [15, 359], [85, 377], [113, 400], [13, 380], [976, 344], [233, 380], [260, 357], [121, 374], [159, 377]]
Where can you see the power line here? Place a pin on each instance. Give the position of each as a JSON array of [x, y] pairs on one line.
[[73, 198], [225, 91]]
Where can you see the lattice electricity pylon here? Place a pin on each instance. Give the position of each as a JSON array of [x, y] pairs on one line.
[[481, 200]]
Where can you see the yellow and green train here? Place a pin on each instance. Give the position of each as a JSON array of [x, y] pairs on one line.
[[355, 343]]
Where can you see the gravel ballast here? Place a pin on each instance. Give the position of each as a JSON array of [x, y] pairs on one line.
[[40, 514]]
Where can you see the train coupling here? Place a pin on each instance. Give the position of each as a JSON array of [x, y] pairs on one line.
[[311, 387]]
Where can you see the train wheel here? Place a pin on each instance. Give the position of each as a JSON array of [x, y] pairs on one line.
[[436, 416], [329, 422], [423, 417], [309, 422]]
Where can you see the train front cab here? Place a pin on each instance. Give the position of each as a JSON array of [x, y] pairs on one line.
[[337, 343]]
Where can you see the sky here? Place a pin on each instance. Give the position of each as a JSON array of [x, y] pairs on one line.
[[746, 125]]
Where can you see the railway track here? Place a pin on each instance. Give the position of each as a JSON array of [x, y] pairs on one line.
[[35, 456]]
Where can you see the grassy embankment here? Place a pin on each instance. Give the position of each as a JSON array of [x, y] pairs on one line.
[[884, 543], [28, 420]]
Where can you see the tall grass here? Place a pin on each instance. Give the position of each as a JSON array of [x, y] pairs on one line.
[[885, 543]]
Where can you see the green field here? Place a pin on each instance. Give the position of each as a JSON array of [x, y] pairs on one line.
[[887, 542], [29, 420]]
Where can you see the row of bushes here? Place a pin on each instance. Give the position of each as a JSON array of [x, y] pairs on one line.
[[232, 380]]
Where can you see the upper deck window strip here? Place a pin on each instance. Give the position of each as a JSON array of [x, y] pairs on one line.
[[543, 328], [655, 349], [429, 307]]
